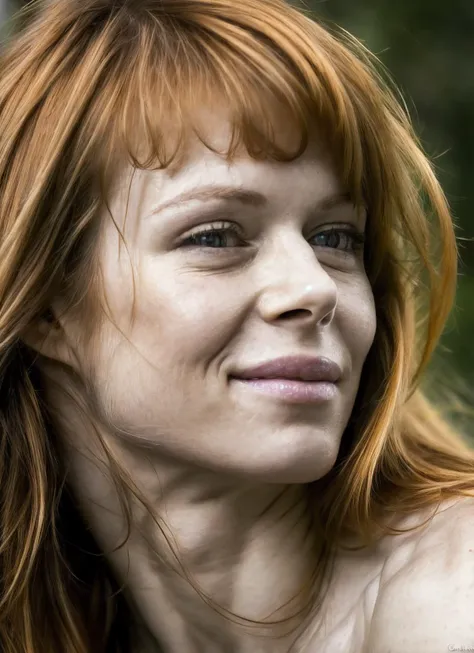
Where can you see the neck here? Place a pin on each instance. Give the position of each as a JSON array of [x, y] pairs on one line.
[[249, 547]]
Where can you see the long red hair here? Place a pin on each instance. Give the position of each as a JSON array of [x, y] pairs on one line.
[[81, 84]]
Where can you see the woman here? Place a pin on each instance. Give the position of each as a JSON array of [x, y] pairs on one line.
[[198, 197]]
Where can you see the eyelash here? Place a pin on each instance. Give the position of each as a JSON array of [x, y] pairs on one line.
[[357, 238]]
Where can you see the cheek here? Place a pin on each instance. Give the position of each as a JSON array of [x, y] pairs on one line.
[[178, 328], [359, 320], [173, 316], [190, 317]]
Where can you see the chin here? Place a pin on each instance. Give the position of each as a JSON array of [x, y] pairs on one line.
[[288, 469], [290, 476]]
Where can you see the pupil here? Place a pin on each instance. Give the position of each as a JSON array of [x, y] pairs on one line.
[[329, 239], [210, 239]]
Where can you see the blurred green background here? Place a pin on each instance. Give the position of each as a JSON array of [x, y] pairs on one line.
[[428, 47]]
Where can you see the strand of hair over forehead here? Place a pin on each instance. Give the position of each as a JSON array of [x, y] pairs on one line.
[[243, 46]]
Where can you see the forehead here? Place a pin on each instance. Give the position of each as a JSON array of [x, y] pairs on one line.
[[312, 174]]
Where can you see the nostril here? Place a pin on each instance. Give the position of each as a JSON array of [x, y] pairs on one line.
[[294, 313]]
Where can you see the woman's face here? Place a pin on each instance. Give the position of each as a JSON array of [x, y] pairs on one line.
[[279, 285]]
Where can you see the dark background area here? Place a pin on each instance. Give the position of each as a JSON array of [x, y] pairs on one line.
[[428, 47]]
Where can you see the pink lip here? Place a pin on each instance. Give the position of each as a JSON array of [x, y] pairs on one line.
[[292, 391], [302, 368]]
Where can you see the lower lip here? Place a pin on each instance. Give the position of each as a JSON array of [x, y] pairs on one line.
[[292, 391]]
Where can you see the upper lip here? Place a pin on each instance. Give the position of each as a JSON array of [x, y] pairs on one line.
[[305, 368]]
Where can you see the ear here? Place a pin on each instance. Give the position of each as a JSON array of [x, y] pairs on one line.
[[47, 337]]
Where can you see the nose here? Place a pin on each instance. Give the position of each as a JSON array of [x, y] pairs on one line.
[[296, 287]]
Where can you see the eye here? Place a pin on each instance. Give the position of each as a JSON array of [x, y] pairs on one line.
[[216, 236], [212, 236], [346, 240]]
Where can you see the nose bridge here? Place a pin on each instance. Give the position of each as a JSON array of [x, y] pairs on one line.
[[292, 279]]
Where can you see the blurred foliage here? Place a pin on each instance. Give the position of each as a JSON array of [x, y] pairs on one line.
[[428, 47]]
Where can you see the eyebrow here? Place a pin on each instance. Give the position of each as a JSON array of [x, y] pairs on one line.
[[244, 196]]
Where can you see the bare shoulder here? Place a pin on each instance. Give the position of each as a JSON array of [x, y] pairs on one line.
[[427, 604]]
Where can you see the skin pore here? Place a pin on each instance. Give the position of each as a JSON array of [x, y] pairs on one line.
[[225, 467]]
